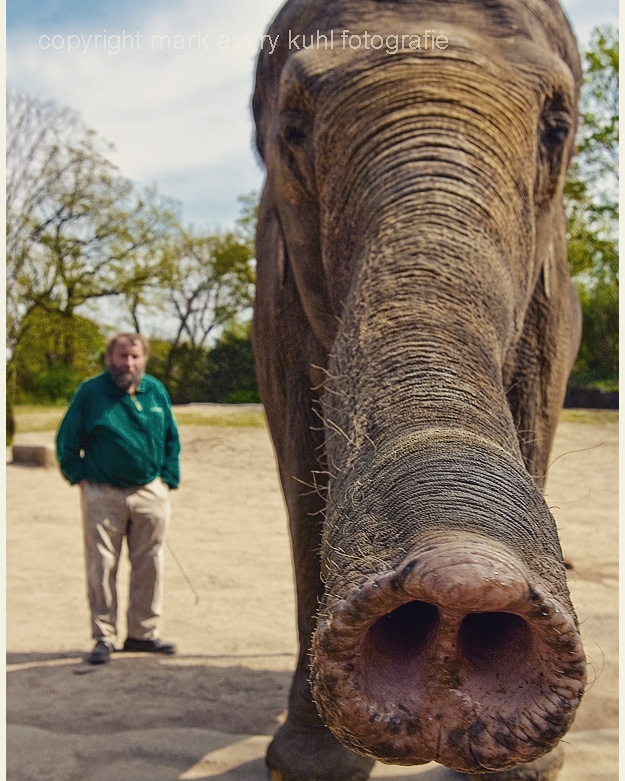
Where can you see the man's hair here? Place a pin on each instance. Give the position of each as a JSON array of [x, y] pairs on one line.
[[133, 338]]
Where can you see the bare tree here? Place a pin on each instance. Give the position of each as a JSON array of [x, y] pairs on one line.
[[212, 282], [76, 229], [79, 233]]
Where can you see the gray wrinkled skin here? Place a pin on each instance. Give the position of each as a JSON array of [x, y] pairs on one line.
[[414, 330]]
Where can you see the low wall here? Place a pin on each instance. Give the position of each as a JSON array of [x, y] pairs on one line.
[[34, 455]]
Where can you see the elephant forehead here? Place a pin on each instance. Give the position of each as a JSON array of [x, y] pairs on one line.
[[526, 44], [466, 110], [463, 74]]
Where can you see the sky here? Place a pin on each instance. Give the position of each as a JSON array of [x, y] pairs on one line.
[[169, 85]]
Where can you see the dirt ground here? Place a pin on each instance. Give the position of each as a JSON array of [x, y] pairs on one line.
[[209, 712]]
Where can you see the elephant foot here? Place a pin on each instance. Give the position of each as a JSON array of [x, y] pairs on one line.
[[296, 754], [544, 769]]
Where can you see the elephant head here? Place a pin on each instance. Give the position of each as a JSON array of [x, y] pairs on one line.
[[414, 330]]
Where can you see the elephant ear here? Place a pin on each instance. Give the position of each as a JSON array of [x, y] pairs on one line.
[[281, 252], [553, 257], [271, 249]]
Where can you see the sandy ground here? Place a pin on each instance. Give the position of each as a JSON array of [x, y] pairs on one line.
[[209, 712]]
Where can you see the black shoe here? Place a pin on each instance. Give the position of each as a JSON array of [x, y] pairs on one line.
[[156, 646], [101, 653]]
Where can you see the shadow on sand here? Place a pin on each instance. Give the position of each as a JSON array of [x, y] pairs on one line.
[[142, 718]]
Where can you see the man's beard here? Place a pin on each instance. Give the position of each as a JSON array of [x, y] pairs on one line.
[[125, 378]]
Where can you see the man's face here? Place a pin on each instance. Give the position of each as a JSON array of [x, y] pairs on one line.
[[127, 364]]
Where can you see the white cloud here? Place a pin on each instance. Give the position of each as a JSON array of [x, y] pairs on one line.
[[172, 94], [192, 98]]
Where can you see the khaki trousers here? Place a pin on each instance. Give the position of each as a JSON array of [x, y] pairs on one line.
[[142, 516]]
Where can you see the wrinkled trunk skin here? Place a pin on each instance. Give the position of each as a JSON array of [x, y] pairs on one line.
[[414, 329], [445, 632]]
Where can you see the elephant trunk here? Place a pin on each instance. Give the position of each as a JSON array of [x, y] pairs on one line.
[[446, 632]]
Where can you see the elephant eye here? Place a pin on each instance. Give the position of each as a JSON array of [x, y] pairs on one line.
[[554, 130], [555, 123], [555, 134], [295, 137], [294, 128]]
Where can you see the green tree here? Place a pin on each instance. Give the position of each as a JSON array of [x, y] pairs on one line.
[[210, 291], [231, 372], [212, 283], [54, 354], [247, 220], [182, 368], [76, 229], [591, 197], [77, 232]]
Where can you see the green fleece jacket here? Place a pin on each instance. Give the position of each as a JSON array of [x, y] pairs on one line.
[[108, 436]]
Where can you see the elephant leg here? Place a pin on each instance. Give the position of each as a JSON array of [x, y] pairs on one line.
[[303, 749], [300, 753]]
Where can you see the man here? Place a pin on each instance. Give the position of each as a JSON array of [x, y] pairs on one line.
[[119, 442]]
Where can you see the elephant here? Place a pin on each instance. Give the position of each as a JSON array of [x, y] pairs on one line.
[[414, 329]]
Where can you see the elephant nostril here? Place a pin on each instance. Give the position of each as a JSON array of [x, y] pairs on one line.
[[494, 642], [395, 646], [401, 645]]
